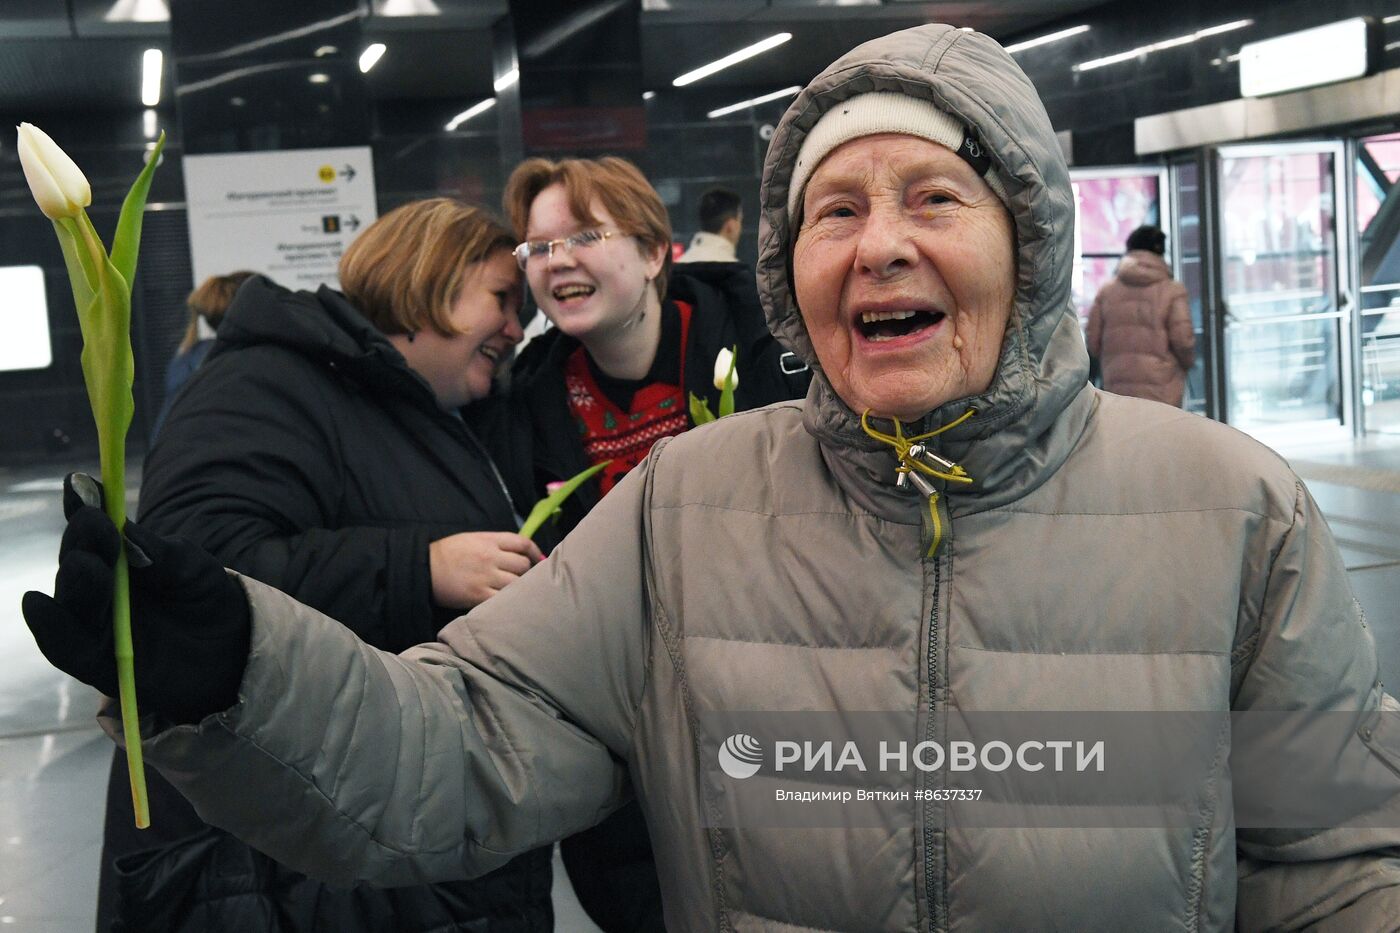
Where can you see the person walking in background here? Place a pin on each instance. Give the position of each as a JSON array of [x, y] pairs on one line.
[[1140, 324], [207, 305], [721, 222], [320, 450]]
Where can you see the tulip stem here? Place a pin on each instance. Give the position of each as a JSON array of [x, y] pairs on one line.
[[126, 686]]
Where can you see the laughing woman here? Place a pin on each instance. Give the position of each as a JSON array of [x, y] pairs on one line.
[[633, 336], [319, 449]]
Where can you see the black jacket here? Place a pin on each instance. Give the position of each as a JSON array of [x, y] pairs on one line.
[[531, 434], [305, 453]]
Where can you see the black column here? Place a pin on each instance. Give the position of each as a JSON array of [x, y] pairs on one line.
[[258, 75], [505, 62], [580, 76]]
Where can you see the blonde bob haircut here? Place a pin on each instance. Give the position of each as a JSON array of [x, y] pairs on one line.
[[209, 301], [616, 184], [405, 270]]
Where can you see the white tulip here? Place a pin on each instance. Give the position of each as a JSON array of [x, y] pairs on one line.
[[723, 361], [58, 185]]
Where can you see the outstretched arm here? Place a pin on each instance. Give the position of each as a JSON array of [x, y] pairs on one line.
[[350, 763]]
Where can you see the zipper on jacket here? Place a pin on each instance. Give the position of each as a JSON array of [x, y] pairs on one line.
[[495, 471], [937, 522], [930, 871]]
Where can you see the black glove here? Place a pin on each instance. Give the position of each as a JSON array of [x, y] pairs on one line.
[[189, 619]]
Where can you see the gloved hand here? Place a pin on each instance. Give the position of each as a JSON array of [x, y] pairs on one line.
[[190, 622]]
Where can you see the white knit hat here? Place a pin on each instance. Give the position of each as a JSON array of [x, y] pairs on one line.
[[887, 112]]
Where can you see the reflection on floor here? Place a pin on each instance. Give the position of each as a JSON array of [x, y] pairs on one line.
[[53, 759], [1357, 486]]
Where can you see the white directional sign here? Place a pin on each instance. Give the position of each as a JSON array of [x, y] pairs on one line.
[[1321, 55], [288, 215]]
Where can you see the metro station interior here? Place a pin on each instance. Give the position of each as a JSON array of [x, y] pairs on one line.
[[1281, 210]]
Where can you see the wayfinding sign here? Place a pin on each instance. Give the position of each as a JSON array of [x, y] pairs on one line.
[[287, 214]]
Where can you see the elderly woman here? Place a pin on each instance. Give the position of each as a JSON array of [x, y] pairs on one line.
[[912, 540]]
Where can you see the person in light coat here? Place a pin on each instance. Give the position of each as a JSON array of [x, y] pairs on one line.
[[1140, 324], [721, 225], [915, 249]]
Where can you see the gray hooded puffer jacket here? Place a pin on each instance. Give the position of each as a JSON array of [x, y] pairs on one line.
[[1111, 555]]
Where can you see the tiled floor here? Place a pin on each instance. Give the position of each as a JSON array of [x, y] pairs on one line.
[[53, 760], [1357, 486]]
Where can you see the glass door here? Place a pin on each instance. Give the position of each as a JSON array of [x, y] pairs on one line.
[[1378, 235], [1283, 288], [1110, 203], [1186, 246]]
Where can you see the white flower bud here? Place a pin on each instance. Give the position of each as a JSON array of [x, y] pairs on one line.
[[58, 185], [723, 361]]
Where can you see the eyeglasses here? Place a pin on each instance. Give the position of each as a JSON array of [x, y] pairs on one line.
[[536, 249]]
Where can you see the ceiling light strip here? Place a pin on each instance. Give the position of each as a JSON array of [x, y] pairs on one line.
[[152, 63], [1159, 46], [754, 101], [470, 112], [370, 56], [506, 80], [758, 48], [1047, 39]]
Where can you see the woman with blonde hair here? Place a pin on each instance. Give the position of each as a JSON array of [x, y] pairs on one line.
[[206, 305], [319, 449]]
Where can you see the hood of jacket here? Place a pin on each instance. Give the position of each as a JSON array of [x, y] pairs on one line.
[[323, 326], [1141, 267], [1027, 420]]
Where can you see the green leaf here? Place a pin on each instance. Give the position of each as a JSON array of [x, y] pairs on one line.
[[126, 243], [726, 395], [550, 504], [108, 370], [79, 278], [700, 412]]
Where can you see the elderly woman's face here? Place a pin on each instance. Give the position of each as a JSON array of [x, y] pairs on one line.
[[905, 273]]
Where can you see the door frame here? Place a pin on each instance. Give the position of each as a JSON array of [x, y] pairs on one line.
[[1345, 300]]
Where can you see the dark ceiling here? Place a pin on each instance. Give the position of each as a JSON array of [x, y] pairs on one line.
[[72, 55], [689, 33]]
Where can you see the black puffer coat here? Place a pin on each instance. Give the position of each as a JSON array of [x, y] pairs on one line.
[[306, 454]]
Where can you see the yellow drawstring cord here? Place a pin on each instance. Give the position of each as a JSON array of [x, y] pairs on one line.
[[907, 462], [937, 525], [902, 444]]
